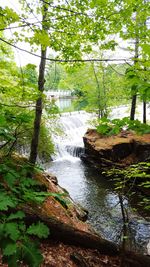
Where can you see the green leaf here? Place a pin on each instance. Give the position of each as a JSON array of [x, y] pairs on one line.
[[39, 229], [11, 230], [10, 249], [1, 230], [18, 215], [6, 201], [12, 260], [30, 254], [10, 178]]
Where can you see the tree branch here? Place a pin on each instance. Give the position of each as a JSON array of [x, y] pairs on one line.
[[67, 60]]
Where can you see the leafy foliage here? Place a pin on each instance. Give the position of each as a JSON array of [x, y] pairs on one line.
[[113, 127], [17, 240], [96, 92], [38, 229], [132, 179]]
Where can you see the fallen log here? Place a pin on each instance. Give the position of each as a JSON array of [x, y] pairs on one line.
[[70, 235], [73, 236]]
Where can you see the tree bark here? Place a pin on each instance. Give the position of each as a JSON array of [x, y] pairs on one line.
[[71, 235], [38, 110], [144, 111], [99, 93], [145, 69], [39, 104], [136, 55], [133, 107]]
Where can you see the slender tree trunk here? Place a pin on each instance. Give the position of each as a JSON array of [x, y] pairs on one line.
[[144, 111], [104, 94], [39, 104], [144, 102], [145, 69], [99, 93], [38, 110], [136, 55], [133, 107]]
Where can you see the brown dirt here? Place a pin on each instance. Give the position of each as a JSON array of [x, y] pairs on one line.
[[57, 254], [107, 142]]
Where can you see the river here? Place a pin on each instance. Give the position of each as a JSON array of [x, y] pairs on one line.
[[87, 187]]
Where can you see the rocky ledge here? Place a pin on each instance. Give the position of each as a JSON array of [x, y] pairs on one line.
[[119, 150]]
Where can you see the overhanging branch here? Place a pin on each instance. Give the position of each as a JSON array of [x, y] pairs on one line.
[[68, 60]]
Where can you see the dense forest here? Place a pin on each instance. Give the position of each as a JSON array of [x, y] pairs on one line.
[[98, 50]]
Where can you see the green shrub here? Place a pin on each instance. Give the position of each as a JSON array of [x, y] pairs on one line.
[[16, 129], [128, 180], [20, 242], [114, 127]]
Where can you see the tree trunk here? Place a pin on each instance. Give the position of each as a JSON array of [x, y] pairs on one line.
[[99, 93], [136, 55], [144, 111], [38, 110], [39, 104], [133, 107], [104, 94], [69, 234], [145, 69]]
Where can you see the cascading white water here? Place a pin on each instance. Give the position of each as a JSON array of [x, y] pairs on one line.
[[70, 144], [74, 125]]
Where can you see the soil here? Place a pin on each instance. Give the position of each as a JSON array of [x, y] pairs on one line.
[[57, 254]]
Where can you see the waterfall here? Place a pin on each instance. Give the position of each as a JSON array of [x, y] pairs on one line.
[[69, 146]]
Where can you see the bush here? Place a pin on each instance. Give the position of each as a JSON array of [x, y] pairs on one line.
[[114, 127], [16, 132], [19, 242], [133, 179]]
